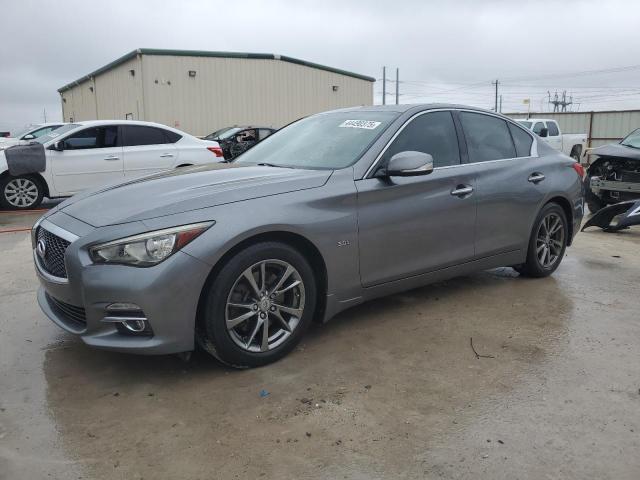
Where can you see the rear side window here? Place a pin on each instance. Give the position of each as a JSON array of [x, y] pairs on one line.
[[264, 133], [135, 135], [433, 133], [97, 137], [553, 129], [522, 140], [487, 137]]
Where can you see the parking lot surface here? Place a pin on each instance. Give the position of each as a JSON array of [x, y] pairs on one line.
[[390, 389]]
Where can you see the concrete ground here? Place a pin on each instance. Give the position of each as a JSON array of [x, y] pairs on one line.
[[390, 389]]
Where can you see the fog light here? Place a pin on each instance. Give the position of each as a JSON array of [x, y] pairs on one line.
[[136, 326], [128, 318]]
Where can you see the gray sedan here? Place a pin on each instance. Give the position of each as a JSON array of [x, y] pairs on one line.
[[331, 211]]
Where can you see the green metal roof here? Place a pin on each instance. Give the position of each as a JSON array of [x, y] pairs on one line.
[[204, 53]]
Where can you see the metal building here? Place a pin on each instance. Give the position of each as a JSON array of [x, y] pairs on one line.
[[200, 92]]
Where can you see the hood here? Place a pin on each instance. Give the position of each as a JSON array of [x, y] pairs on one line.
[[187, 189], [617, 150]]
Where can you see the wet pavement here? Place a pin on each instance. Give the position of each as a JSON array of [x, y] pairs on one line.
[[390, 389]]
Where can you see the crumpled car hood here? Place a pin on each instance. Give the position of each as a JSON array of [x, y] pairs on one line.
[[187, 189], [617, 150]]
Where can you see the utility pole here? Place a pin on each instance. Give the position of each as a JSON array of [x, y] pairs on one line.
[[495, 109], [500, 103], [384, 85], [44, 114], [397, 85]]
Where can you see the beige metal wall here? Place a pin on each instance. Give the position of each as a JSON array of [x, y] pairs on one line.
[[229, 91], [224, 92], [601, 127], [116, 93]]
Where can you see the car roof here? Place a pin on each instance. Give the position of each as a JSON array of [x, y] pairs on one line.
[[411, 107], [537, 119], [99, 123]]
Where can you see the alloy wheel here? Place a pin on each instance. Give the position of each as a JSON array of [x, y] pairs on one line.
[[265, 305], [21, 192], [550, 240]]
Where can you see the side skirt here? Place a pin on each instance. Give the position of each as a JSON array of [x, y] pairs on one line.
[[334, 305]]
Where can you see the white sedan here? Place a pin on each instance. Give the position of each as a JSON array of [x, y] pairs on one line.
[[84, 155]]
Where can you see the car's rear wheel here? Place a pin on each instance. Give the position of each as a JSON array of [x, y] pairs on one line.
[[259, 305], [21, 193], [547, 243]]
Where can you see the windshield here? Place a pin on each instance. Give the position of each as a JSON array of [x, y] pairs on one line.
[[525, 124], [56, 133], [217, 133], [325, 141], [27, 130], [228, 133], [633, 139]]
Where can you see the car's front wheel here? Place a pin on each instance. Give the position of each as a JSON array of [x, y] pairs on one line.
[[547, 243], [259, 305], [20, 193]]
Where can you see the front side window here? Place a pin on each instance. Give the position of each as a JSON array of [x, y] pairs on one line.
[[96, 137], [325, 141], [487, 137], [433, 133], [249, 135], [136, 135], [537, 128], [553, 129], [522, 141]]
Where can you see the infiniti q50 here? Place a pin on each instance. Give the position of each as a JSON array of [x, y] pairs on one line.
[[331, 211]]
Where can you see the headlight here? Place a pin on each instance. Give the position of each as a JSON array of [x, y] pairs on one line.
[[147, 249]]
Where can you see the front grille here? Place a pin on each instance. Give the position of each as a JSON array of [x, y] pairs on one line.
[[54, 248], [70, 312]]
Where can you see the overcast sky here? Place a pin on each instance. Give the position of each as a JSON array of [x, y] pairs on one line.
[[446, 51]]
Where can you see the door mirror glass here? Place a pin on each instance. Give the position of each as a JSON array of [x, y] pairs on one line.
[[544, 132], [409, 164]]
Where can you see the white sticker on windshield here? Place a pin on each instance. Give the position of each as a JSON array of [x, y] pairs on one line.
[[366, 124]]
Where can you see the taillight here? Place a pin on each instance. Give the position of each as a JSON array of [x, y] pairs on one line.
[[579, 169], [217, 151]]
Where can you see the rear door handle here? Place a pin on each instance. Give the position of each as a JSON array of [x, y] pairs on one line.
[[112, 157], [462, 190], [536, 177], [166, 155]]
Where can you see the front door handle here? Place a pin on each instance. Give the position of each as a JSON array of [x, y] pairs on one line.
[[112, 157], [536, 177], [462, 190], [166, 155]]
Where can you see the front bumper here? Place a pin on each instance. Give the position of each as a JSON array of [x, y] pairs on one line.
[[167, 293]]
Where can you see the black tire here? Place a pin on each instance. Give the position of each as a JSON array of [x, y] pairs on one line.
[[22, 192], [213, 334], [533, 267]]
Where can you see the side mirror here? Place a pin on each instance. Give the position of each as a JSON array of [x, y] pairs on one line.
[[544, 132], [29, 137], [409, 164], [58, 146]]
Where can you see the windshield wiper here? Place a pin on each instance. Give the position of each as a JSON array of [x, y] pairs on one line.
[[265, 164], [629, 145]]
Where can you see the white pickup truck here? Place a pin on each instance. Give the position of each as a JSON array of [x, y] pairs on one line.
[[572, 144]]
